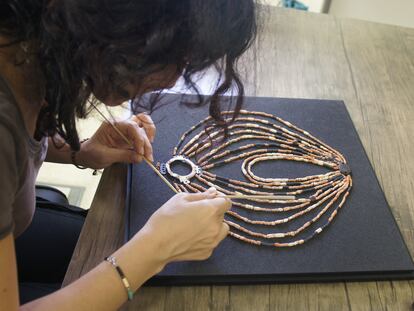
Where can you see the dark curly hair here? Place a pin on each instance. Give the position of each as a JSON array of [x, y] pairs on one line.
[[84, 45]]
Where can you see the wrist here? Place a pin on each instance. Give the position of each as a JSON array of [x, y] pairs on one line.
[[140, 258], [153, 244], [79, 158]]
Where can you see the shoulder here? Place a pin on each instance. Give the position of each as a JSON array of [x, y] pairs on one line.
[[12, 128], [13, 147], [13, 158], [9, 113], [9, 176], [11, 142]]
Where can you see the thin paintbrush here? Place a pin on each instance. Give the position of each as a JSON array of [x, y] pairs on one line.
[[259, 196], [229, 196], [131, 146]]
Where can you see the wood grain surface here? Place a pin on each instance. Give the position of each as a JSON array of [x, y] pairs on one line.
[[301, 55]]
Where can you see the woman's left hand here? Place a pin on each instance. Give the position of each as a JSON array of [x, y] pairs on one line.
[[107, 146]]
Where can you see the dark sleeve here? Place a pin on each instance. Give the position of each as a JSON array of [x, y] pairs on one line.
[[8, 179]]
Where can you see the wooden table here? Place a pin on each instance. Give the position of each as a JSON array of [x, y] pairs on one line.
[[371, 67]]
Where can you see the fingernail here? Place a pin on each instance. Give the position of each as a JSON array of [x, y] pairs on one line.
[[212, 189], [151, 158]]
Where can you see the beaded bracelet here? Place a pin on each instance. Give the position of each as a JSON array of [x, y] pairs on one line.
[[73, 157], [112, 261]]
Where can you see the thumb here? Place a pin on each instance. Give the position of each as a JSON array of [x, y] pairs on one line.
[[208, 194]]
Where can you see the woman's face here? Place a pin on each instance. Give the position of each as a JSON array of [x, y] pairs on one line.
[[156, 81]]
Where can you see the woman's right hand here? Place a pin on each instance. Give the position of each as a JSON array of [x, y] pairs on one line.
[[189, 225]]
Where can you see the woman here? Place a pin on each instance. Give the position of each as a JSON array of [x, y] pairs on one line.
[[56, 54]]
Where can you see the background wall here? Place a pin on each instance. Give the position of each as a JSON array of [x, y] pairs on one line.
[[395, 12], [314, 5]]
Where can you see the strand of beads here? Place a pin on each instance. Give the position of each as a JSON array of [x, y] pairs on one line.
[[255, 137]]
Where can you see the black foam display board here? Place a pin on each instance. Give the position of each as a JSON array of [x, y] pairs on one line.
[[362, 243]]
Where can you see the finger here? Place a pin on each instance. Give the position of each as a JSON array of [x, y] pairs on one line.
[[223, 232], [208, 194], [220, 211], [206, 250], [135, 134], [146, 122], [128, 133], [147, 145], [222, 204], [220, 194], [202, 255], [138, 139]]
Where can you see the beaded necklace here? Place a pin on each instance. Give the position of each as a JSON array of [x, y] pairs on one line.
[[255, 137]]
